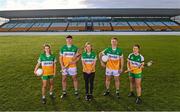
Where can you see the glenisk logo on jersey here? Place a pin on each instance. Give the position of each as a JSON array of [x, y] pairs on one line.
[[113, 57], [47, 63], [89, 61], [137, 64], [69, 54]]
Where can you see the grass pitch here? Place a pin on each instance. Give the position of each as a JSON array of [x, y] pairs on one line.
[[21, 90]]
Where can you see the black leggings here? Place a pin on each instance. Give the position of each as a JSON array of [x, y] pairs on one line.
[[89, 79]]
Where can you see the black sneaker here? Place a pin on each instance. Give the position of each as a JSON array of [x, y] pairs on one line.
[[63, 95], [117, 95], [52, 96], [138, 100], [91, 97], [77, 95], [87, 97], [43, 100], [106, 93], [131, 94]]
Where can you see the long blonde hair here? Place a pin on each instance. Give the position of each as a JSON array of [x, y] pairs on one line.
[[86, 44]]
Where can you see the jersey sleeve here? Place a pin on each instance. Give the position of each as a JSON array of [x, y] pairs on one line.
[[61, 51], [39, 59], [121, 53], [76, 50], [95, 58], [55, 59], [129, 56], [82, 56], [105, 51], [142, 58]]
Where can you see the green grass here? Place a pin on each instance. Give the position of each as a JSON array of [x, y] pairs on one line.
[[21, 90]]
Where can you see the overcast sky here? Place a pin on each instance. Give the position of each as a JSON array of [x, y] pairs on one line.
[[71, 4]]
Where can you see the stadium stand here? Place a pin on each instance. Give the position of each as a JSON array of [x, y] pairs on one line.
[[61, 26], [60, 20], [101, 26], [139, 26], [21, 27], [173, 25], [157, 25], [7, 26], [121, 26], [40, 27], [76, 26]]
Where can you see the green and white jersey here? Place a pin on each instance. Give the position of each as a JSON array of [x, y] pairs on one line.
[[114, 55], [47, 63], [88, 59], [135, 62], [68, 52]]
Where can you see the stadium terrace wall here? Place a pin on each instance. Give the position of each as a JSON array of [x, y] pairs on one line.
[[125, 12]]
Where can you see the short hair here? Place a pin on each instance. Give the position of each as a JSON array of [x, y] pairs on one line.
[[69, 36], [114, 38], [137, 45]]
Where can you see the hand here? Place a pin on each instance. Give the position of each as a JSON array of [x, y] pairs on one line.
[[142, 66], [62, 67], [89, 71], [35, 72], [121, 70], [103, 65], [54, 74], [72, 62]]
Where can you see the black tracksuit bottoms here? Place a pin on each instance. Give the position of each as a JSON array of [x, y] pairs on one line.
[[89, 79]]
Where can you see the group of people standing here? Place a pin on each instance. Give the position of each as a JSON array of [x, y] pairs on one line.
[[69, 55]]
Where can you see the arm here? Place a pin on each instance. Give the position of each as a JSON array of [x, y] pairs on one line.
[[76, 57], [94, 64], [128, 64], [54, 68], [36, 67], [84, 67], [122, 63], [100, 58], [142, 65], [61, 61]]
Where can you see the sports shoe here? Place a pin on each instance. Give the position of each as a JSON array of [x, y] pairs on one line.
[[63, 95], [117, 95], [138, 100], [76, 94], [106, 93], [91, 97], [131, 94], [43, 100], [52, 96], [87, 97]]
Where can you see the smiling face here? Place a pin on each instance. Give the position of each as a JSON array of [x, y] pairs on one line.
[[69, 41], [47, 49], [114, 42], [88, 48], [135, 50]]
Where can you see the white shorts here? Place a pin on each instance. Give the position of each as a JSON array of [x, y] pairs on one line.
[[110, 72], [70, 71]]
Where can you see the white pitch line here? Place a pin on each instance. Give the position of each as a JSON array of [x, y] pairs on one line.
[[87, 33]]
